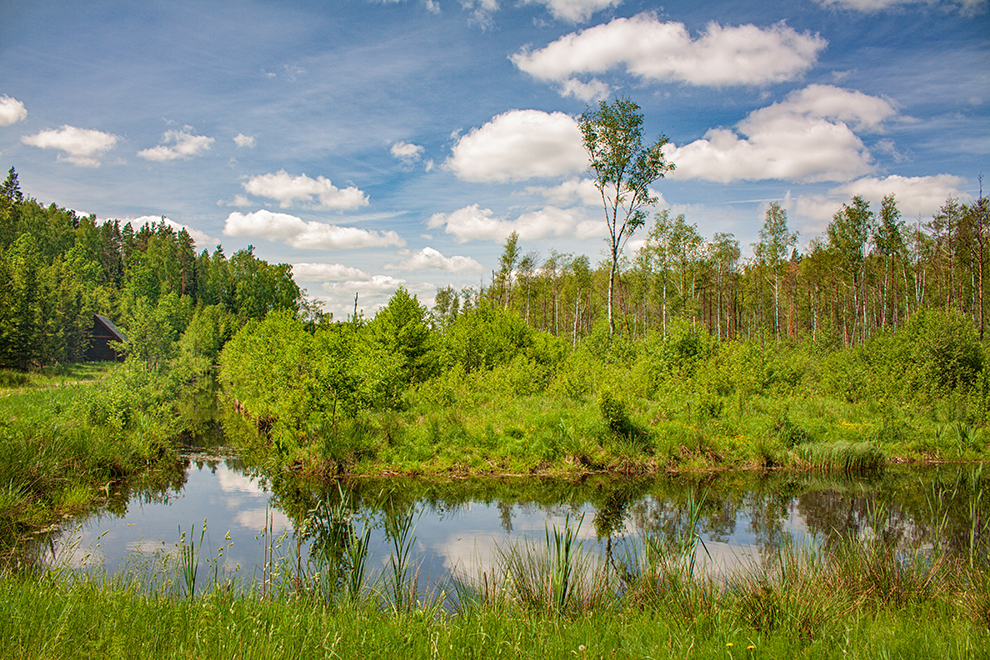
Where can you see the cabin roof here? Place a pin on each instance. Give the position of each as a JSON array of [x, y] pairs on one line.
[[108, 324]]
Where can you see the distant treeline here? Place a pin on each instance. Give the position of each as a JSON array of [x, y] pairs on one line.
[[58, 269], [869, 270]]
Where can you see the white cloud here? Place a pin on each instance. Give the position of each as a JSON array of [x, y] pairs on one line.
[[593, 90], [806, 137], [861, 111], [574, 11], [658, 51], [82, 146], [481, 11], [917, 197], [11, 111], [376, 283], [407, 152], [177, 144], [520, 144], [472, 223], [242, 140], [309, 272], [431, 259], [572, 191], [590, 229], [296, 233], [286, 189]]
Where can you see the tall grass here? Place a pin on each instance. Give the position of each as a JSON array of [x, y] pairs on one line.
[[863, 598]]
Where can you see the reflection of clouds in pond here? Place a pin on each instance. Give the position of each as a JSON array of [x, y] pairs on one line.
[[257, 519], [146, 547], [71, 553], [469, 552], [725, 558], [232, 482]]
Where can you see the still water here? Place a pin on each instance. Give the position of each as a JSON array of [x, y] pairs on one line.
[[459, 526]]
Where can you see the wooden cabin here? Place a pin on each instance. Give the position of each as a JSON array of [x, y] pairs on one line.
[[104, 332]]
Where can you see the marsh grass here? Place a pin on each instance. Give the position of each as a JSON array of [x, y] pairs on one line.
[[860, 597]]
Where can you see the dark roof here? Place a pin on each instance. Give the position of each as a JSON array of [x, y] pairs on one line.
[[121, 337]]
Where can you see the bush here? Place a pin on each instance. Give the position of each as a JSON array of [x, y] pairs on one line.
[[613, 413], [944, 348]]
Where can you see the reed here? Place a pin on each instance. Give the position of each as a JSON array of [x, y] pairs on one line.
[[400, 584], [188, 557]]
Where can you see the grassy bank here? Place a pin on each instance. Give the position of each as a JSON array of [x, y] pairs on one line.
[[506, 400], [850, 599], [78, 436]]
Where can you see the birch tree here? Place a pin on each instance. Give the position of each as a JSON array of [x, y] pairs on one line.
[[623, 168]]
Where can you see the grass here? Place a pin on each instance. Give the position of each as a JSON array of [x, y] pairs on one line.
[[59, 375], [848, 599], [76, 436], [543, 434]]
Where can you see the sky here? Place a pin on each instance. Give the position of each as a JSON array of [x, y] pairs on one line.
[[374, 144]]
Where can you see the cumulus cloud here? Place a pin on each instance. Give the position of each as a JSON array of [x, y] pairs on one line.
[[665, 51], [431, 259], [11, 111], [310, 272], [472, 223], [917, 197], [406, 152], [572, 191], [862, 111], [574, 11], [299, 234], [80, 146], [177, 144], [806, 137], [520, 144], [287, 189], [374, 284], [243, 141], [593, 90]]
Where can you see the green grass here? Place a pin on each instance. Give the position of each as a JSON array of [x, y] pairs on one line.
[[59, 375], [853, 599], [543, 434], [76, 436]]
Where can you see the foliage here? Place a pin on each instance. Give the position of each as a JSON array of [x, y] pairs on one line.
[[623, 169], [58, 269]]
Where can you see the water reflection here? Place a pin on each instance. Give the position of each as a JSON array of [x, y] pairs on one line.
[[461, 525]]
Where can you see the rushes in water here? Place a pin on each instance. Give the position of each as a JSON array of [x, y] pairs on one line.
[[341, 552], [663, 569], [398, 583], [561, 548], [556, 578], [189, 558]]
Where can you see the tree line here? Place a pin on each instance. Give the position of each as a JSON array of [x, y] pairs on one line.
[[869, 271], [58, 269]]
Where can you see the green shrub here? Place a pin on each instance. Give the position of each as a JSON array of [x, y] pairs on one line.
[[613, 413]]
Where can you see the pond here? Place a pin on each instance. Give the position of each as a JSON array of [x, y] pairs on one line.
[[240, 520]]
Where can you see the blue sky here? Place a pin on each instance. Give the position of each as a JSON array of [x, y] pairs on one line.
[[374, 144]]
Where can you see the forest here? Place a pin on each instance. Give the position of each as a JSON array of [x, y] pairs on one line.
[[866, 349]]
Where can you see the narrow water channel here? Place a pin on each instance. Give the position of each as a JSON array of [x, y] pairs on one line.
[[459, 526]]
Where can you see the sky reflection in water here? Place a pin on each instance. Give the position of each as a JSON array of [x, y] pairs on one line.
[[464, 537]]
